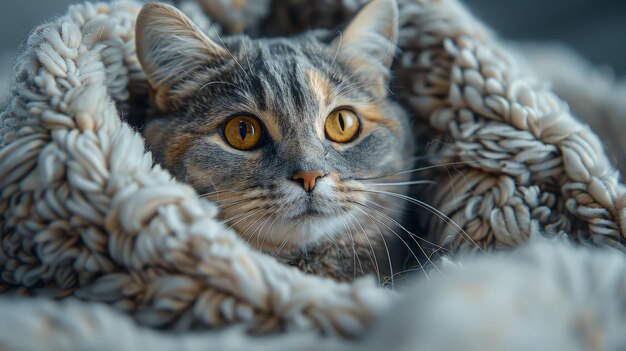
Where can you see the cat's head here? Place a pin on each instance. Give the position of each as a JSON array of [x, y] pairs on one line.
[[286, 135]]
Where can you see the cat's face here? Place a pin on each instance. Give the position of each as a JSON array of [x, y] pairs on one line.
[[285, 135]]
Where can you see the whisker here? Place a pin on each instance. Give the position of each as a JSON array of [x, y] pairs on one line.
[[433, 210], [243, 234], [411, 235], [249, 215], [211, 193], [283, 243], [354, 254], [390, 49], [414, 182], [261, 227], [237, 202], [270, 228], [244, 204], [408, 232], [229, 52], [443, 165], [219, 82], [372, 257], [239, 213], [247, 54], [423, 169], [345, 88], [255, 222], [419, 265], [454, 196], [397, 235], [216, 192], [382, 237], [287, 237], [399, 211], [338, 48], [354, 86], [334, 242]]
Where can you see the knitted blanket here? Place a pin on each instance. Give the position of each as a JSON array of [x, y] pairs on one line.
[[87, 215]]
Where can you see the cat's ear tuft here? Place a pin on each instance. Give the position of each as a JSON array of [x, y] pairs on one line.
[[369, 41], [169, 46]]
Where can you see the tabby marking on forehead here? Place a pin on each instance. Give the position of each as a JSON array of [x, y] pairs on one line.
[[320, 86]]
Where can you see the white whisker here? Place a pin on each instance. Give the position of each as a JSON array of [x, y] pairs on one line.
[[411, 235], [279, 210], [351, 235], [414, 182], [249, 214], [229, 52], [397, 235], [338, 48], [372, 257], [433, 210]]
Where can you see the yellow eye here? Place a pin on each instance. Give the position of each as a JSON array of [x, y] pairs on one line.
[[243, 132], [342, 126]]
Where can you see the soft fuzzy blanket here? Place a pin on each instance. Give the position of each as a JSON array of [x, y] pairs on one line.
[[87, 215]]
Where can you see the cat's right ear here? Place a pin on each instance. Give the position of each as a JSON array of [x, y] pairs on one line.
[[169, 47]]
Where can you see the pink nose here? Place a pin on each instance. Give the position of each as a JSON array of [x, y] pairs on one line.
[[307, 178]]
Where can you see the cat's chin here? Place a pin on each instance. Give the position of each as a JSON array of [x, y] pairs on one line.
[[305, 229]]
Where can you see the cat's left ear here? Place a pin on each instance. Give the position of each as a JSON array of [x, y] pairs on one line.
[[369, 41], [170, 47]]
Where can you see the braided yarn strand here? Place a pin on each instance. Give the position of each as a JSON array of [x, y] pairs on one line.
[[525, 165]]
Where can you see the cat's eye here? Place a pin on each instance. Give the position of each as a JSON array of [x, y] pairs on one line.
[[243, 132], [342, 126]]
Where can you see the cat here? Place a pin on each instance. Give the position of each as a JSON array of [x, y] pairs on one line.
[[296, 139]]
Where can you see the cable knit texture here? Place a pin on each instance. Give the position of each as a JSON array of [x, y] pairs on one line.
[[85, 212]]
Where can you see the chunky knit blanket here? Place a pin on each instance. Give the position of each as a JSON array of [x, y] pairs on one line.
[[86, 214]]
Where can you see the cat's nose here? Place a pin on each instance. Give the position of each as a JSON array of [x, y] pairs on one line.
[[307, 178]]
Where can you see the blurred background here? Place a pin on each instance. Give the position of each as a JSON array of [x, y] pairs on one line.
[[594, 28]]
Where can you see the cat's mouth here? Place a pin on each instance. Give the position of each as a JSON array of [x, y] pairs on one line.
[[293, 226], [308, 213], [310, 207]]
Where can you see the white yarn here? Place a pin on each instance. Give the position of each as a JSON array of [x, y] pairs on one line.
[[545, 296]]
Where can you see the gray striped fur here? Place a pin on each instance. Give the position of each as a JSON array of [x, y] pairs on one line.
[[291, 85]]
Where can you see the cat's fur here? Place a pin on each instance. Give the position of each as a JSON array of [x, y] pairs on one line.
[[291, 85]]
